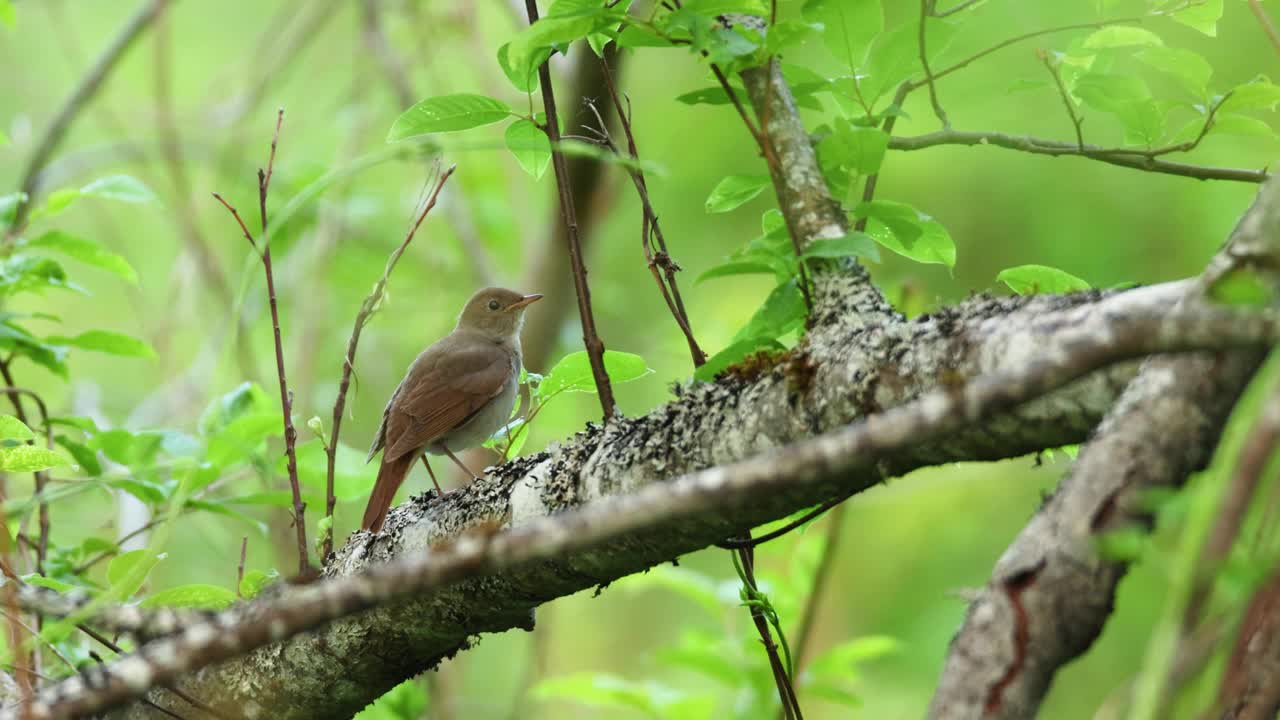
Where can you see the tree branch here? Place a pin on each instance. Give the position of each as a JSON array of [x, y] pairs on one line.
[[1051, 592]]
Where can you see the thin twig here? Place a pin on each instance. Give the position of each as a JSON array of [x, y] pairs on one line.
[[781, 676], [83, 93], [15, 393], [244, 551], [1265, 21], [286, 397], [1123, 157], [933, 11], [649, 226], [1076, 122], [735, 543], [925, 11], [367, 308], [108, 553], [564, 185]]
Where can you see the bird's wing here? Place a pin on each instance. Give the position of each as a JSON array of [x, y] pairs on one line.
[[441, 392]]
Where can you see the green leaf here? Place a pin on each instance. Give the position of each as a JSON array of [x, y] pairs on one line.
[[244, 399], [84, 457], [1189, 68], [895, 56], [1241, 286], [105, 341], [254, 581], [565, 21], [30, 458], [1243, 125], [1202, 15], [128, 571], [530, 146], [714, 8], [908, 232], [119, 187], [8, 16], [9, 206], [736, 268], [1119, 36], [525, 79], [50, 583], [447, 113], [11, 428], [406, 701], [783, 311], [1126, 97], [734, 191], [710, 96], [634, 36], [1258, 94], [849, 26], [732, 355], [203, 597], [1037, 279], [573, 372], [26, 273], [855, 244], [87, 252], [851, 150]]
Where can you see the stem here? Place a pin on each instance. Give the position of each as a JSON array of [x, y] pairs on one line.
[[590, 338]]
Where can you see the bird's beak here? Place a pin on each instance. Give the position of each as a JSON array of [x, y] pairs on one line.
[[524, 302]]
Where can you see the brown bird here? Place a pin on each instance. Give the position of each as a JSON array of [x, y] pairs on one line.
[[457, 393]]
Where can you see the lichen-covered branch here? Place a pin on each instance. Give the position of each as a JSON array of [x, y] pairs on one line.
[[1051, 592]]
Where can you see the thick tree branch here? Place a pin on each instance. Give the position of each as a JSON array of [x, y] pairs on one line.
[[1051, 592]]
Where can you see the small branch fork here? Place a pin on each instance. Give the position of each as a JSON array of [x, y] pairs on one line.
[[660, 263], [564, 186], [286, 397], [367, 308], [825, 459]]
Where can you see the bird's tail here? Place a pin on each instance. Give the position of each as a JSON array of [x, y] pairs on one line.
[[390, 476]]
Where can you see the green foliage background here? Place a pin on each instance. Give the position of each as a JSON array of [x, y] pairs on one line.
[[907, 550]]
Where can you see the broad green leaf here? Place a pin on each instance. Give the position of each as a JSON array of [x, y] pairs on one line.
[[1259, 94], [734, 191], [530, 146], [1244, 125], [710, 96], [908, 232], [783, 311], [352, 476], [119, 187], [149, 493], [714, 8], [850, 150], [84, 457], [11, 428], [27, 273], [127, 572], [634, 36], [725, 45], [1126, 97], [447, 113], [1123, 544], [30, 458], [9, 206], [855, 244], [525, 79], [736, 268], [8, 16], [406, 701], [87, 252], [203, 597], [565, 21], [50, 583], [732, 355], [254, 581], [573, 372], [1203, 15], [1037, 279], [895, 56], [105, 341], [245, 398], [1190, 69], [849, 26], [1119, 36]]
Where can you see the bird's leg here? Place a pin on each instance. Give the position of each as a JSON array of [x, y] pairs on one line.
[[460, 464], [435, 482]]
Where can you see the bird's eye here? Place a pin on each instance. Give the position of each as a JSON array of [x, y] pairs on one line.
[[493, 305]]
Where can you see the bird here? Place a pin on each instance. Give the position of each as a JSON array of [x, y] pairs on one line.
[[455, 395]]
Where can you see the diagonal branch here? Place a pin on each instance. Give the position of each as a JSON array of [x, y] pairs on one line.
[[719, 498]]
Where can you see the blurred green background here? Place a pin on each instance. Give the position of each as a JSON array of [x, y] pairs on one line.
[[906, 551]]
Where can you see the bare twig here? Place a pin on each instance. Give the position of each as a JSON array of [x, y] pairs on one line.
[[661, 266], [367, 309], [83, 93], [1123, 157], [782, 677], [15, 394], [926, 9], [590, 338], [286, 397], [1076, 122], [734, 544], [1264, 20]]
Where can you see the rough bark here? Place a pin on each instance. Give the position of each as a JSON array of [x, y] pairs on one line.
[[1051, 592]]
